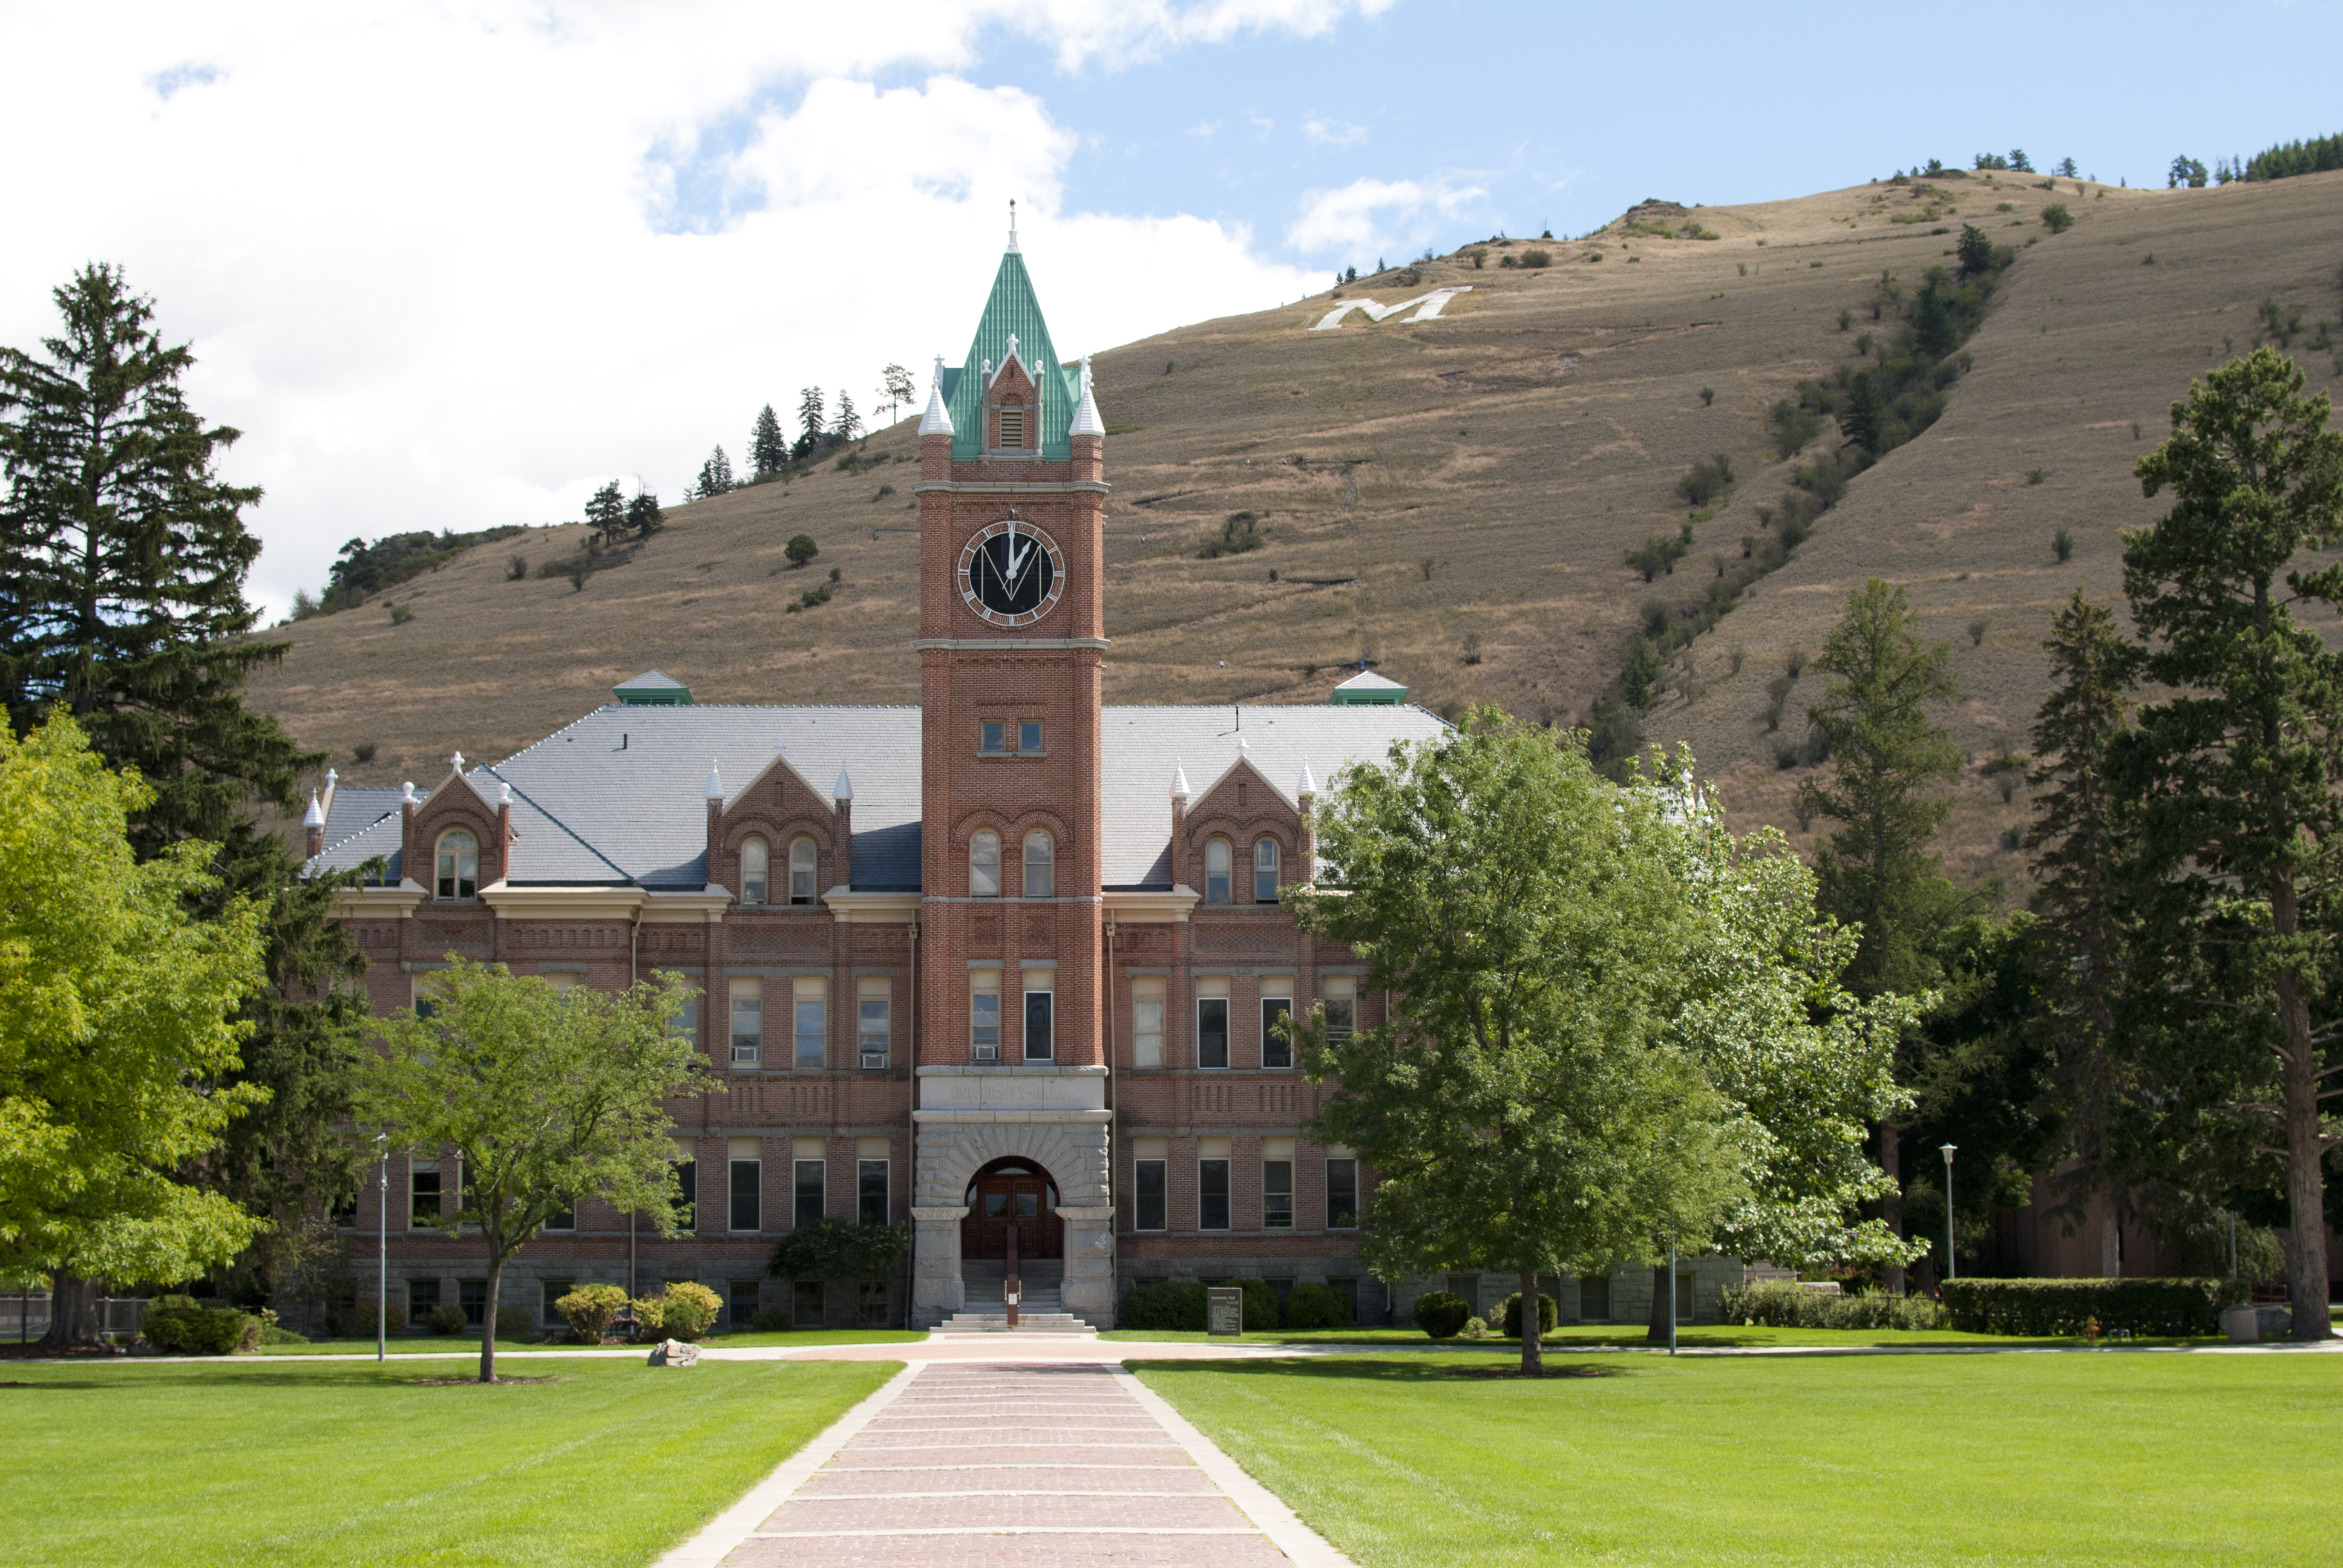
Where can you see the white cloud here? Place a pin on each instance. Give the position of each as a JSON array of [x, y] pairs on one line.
[[1370, 215], [456, 265], [1333, 133]]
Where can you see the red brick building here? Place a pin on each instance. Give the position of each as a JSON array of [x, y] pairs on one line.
[[991, 964]]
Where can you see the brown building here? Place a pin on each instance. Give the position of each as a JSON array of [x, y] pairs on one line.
[[988, 965]]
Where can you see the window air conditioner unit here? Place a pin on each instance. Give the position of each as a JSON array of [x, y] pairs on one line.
[[874, 1059], [987, 1053]]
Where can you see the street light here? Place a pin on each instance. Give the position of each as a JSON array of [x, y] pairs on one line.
[[1952, 1268], [382, 1245]]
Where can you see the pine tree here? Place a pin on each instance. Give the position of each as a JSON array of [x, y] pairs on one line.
[[606, 513], [2240, 769], [644, 518], [715, 476], [1858, 421], [121, 570], [769, 449], [850, 424], [1974, 251], [812, 431]]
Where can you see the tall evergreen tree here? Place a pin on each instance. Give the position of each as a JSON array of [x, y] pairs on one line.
[[848, 426], [715, 476], [2240, 771], [769, 449], [122, 557], [1877, 868], [606, 513], [812, 429], [644, 518]]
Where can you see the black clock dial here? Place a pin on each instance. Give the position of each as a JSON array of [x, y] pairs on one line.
[[1012, 574]]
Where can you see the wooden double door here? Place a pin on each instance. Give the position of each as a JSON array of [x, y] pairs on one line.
[[1015, 1198]]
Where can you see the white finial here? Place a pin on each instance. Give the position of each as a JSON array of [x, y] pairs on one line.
[[1086, 413], [407, 792], [1012, 348], [456, 762], [1180, 790], [332, 778], [1012, 225], [504, 794], [937, 420], [715, 781], [1309, 785], [1241, 745], [315, 816], [844, 789]]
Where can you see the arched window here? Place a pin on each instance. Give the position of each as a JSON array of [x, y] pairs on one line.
[[984, 864], [1264, 871], [1216, 871], [802, 872], [459, 865], [756, 871], [1041, 873]]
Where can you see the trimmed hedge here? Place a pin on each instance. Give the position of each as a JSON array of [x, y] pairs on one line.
[[1175, 1305], [1548, 1315], [1442, 1314], [1261, 1312], [1780, 1304], [181, 1323], [1317, 1307], [2176, 1306], [357, 1321]]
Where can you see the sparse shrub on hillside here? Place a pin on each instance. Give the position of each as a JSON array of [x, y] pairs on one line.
[[516, 569], [1706, 480], [400, 614], [1777, 696], [1480, 255], [1793, 425], [2036, 475], [1537, 258], [1862, 346], [364, 752], [2062, 544], [577, 576], [1471, 648], [2014, 837], [884, 491], [800, 549], [1656, 555], [1846, 317], [1238, 535], [1736, 657], [1707, 395], [1427, 565], [1794, 663], [2282, 322], [1503, 261], [2056, 219], [1978, 629]]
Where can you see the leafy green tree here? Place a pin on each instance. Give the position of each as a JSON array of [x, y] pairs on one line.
[[833, 1249], [1524, 1105], [546, 1097], [2237, 769], [896, 383], [769, 449], [800, 549], [118, 1024], [1876, 871], [121, 566], [644, 518], [715, 476], [606, 514], [1974, 253]]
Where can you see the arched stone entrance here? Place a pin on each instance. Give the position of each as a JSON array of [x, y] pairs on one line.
[[1053, 1120], [1011, 1195]]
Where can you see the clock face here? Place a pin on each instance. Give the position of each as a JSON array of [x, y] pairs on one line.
[[1010, 573]]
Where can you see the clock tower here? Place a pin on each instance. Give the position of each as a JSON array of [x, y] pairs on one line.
[[1011, 1067]]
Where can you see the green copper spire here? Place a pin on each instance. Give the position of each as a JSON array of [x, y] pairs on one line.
[[1012, 310]]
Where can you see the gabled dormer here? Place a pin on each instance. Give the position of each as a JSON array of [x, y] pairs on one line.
[[458, 840], [779, 842], [1242, 840]]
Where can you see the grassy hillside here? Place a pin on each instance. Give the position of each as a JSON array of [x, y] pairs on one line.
[[1454, 499]]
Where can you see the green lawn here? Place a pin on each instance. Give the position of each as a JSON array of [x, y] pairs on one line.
[[435, 1345], [330, 1463], [2117, 1457], [1710, 1336]]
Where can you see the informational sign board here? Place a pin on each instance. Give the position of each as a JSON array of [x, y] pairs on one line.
[[1223, 1309]]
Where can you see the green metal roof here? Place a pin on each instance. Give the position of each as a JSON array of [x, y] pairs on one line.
[[1012, 308]]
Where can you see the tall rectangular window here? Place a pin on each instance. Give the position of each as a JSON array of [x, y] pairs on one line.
[[686, 1188], [871, 1192], [685, 1024], [1212, 1021], [747, 1020], [422, 1295], [1211, 1183], [873, 1002], [740, 1303], [812, 999], [1341, 997], [1147, 1022], [1276, 1007], [1148, 1165], [472, 1295], [1040, 1041], [809, 1196], [1342, 1192], [423, 1192], [984, 1015], [1277, 1184], [551, 1292], [748, 1185]]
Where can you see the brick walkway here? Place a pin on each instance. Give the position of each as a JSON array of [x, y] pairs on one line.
[[1065, 1464]]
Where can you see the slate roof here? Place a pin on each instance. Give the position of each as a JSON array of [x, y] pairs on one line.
[[618, 798]]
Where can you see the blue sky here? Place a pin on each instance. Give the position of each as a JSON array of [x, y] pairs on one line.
[[458, 264]]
